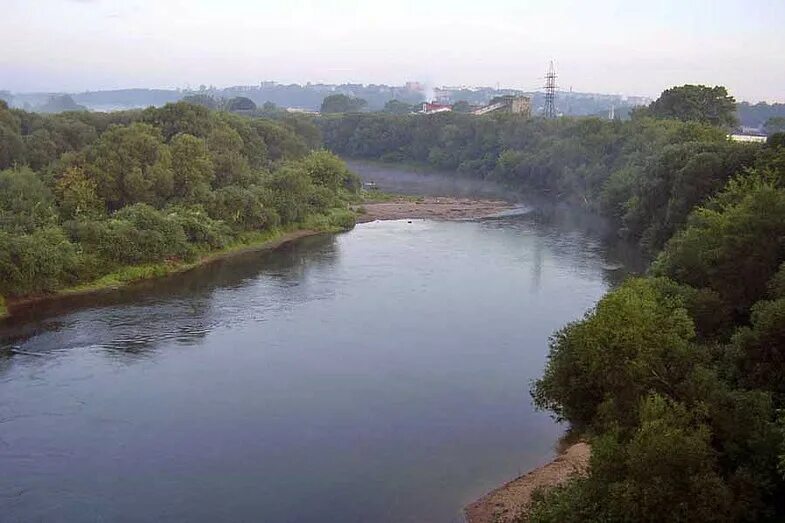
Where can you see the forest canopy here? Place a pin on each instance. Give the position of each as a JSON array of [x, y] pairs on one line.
[[85, 196]]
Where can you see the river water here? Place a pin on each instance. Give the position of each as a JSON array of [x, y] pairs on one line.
[[377, 375]]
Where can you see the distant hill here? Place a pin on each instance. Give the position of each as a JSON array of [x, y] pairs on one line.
[[310, 97], [60, 104]]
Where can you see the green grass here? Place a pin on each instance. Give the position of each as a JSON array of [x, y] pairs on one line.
[[3, 309], [126, 275]]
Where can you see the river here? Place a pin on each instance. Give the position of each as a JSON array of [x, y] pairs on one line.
[[376, 375]]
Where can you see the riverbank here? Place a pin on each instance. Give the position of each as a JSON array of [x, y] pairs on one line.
[[430, 207], [390, 208], [125, 276], [507, 503]]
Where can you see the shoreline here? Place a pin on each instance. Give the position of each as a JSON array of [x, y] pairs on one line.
[[399, 207], [130, 275], [504, 504], [507, 503]]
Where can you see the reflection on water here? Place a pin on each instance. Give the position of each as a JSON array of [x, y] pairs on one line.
[[179, 308], [377, 375]]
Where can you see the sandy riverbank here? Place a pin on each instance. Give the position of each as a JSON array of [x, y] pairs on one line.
[[430, 207], [510, 501]]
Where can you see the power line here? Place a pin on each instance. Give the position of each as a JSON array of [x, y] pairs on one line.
[[550, 92]]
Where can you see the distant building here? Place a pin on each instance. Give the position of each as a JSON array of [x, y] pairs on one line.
[[507, 104], [300, 110], [434, 107], [749, 138], [442, 95]]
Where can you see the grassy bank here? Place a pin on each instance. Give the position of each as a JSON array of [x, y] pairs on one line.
[[335, 220]]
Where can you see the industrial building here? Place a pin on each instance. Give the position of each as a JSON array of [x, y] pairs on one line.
[[502, 104]]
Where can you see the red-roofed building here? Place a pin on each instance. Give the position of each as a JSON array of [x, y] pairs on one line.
[[433, 107]]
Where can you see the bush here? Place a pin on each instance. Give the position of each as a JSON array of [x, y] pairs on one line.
[[42, 261], [199, 228], [291, 189], [135, 234], [707, 252], [637, 340], [26, 203], [245, 209]]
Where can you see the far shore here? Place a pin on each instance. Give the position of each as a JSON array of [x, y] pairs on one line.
[[510, 502]]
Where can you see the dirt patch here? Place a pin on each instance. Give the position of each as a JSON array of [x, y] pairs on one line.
[[510, 501], [435, 208]]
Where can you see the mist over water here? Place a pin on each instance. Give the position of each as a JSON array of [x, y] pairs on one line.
[[376, 375]]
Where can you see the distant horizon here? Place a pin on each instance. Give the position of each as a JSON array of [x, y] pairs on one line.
[[606, 46], [304, 84], [191, 88]]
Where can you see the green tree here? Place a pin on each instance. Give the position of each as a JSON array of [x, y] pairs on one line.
[[290, 188], [326, 169], [131, 164], [26, 203], [240, 104], [667, 471], [135, 234], [397, 107], [636, 341], [180, 117], [775, 124], [40, 261], [759, 349], [77, 195], [192, 167], [12, 149], [40, 149], [708, 252], [225, 146], [698, 103], [340, 103], [244, 208], [204, 100]]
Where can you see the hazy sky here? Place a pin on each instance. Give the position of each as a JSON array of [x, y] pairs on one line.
[[610, 46]]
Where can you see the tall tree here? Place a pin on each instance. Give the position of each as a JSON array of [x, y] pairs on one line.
[[397, 107], [699, 103], [340, 103]]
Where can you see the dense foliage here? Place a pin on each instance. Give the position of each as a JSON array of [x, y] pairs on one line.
[[696, 103], [83, 195], [677, 378], [341, 103], [646, 173]]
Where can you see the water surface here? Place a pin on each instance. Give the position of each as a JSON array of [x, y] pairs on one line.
[[377, 375]]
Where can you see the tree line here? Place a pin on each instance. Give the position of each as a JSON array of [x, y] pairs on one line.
[[83, 195], [646, 173], [677, 377]]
